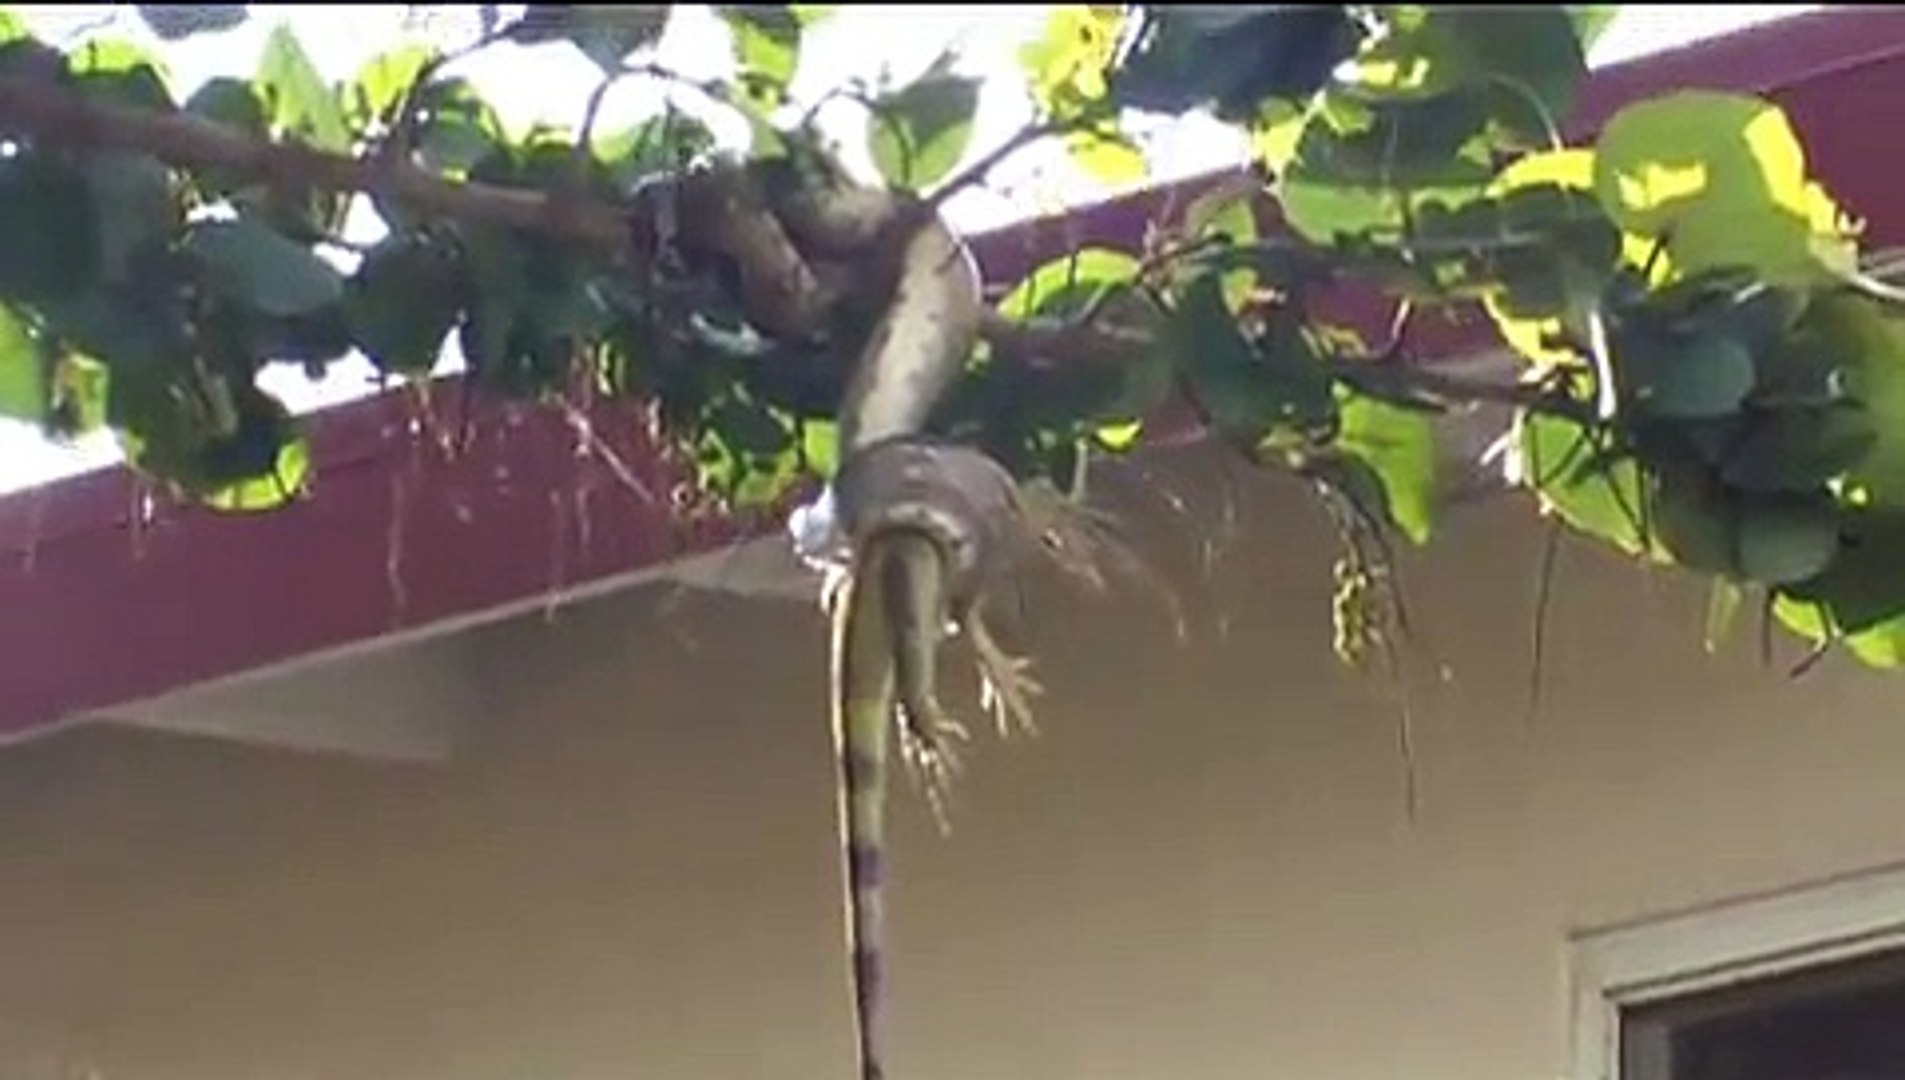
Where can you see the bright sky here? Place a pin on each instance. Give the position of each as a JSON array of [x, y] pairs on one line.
[[546, 82]]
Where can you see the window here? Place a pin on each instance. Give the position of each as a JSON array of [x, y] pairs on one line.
[[1805, 984]]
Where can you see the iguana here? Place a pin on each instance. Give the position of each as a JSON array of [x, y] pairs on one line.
[[918, 531], [930, 527]]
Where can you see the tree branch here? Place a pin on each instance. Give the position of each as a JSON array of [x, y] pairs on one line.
[[1052, 344], [50, 114]]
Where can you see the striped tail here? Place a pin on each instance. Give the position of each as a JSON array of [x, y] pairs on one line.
[[864, 688]]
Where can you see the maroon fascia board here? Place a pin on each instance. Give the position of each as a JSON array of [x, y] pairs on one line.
[[99, 606]]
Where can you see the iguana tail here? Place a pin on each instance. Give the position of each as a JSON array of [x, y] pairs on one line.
[[865, 691]]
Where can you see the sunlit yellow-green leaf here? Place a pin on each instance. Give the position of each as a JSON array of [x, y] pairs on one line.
[[22, 374], [285, 482], [1066, 66], [384, 80], [1108, 157], [1723, 178], [1398, 445], [301, 102], [1572, 169]]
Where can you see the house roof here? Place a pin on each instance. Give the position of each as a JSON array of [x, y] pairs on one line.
[[102, 603]]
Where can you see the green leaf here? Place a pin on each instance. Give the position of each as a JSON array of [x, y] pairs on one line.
[[176, 22], [298, 99], [1398, 445], [251, 263], [1066, 285], [23, 389], [820, 446], [766, 46], [656, 145], [1596, 492], [403, 302], [918, 134]]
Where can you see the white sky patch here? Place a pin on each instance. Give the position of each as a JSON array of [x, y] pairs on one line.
[[549, 83]]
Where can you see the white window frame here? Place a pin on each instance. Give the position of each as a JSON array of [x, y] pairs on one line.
[[1691, 952]]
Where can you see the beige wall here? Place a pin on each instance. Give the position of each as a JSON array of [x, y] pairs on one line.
[[1202, 869]]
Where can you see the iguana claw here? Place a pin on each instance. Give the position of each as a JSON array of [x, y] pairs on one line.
[[1005, 681], [926, 746]]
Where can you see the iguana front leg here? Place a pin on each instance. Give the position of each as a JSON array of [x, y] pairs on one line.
[[1005, 681]]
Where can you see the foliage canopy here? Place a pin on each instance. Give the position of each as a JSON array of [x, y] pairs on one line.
[[1710, 382]]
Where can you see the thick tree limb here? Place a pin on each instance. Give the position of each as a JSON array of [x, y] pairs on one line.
[[56, 115]]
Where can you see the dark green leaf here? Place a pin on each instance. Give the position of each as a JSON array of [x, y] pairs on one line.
[[1862, 588], [175, 22], [230, 102], [1799, 449], [49, 228], [1785, 540], [605, 33], [1247, 392], [401, 304], [249, 262], [919, 134], [1707, 376], [1233, 59], [132, 194], [458, 129]]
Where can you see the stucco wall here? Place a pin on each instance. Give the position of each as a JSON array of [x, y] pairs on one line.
[[1201, 869]]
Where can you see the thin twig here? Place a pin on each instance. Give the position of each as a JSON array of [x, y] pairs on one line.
[[978, 170]]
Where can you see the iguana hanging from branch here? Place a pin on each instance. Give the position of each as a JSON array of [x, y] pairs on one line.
[[911, 531]]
